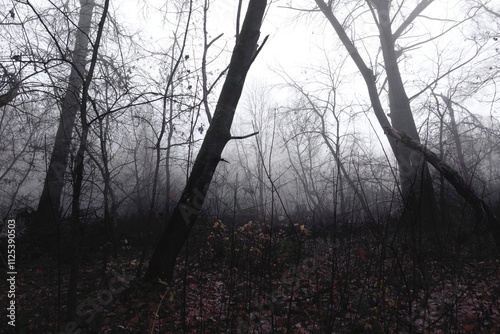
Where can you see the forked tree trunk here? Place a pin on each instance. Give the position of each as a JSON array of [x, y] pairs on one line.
[[47, 215], [162, 263], [417, 190], [416, 183]]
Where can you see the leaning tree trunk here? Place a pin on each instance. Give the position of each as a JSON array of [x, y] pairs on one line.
[[218, 134], [47, 215], [462, 186]]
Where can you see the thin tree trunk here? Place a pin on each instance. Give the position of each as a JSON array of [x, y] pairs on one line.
[[456, 138], [79, 171], [47, 215], [169, 88], [261, 202], [443, 201], [109, 208], [186, 212], [168, 153]]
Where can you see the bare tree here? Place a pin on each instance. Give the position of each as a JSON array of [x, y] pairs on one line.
[[177, 55], [417, 190], [260, 115], [321, 109], [186, 212], [47, 216], [79, 169]]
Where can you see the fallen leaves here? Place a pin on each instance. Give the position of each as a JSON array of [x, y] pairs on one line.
[[273, 288]]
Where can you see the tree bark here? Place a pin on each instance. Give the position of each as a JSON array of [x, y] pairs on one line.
[[47, 215], [162, 263], [416, 181]]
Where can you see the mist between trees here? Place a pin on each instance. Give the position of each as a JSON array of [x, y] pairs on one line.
[[193, 138]]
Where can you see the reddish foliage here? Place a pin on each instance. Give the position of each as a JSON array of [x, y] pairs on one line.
[[271, 287]]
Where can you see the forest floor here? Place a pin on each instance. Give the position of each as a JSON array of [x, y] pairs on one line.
[[247, 281]]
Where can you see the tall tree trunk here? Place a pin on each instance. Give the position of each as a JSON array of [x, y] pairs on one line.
[[417, 191], [47, 215], [168, 186], [186, 212], [416, 182], [169, 90], [79, 171], [444, 216], [109, 204]]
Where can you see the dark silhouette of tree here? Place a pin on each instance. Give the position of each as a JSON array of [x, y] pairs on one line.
[[47, 215], [9, 87], [79, 170], [218, 134]]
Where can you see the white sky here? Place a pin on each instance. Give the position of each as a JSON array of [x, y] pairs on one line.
[[289, 43]]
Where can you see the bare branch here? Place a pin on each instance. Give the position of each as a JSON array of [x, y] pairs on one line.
[[260, 48], [413, 15], [492, 12], [213, 40], [244, 137]]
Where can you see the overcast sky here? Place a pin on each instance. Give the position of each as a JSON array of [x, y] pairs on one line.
[[297, 43]]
